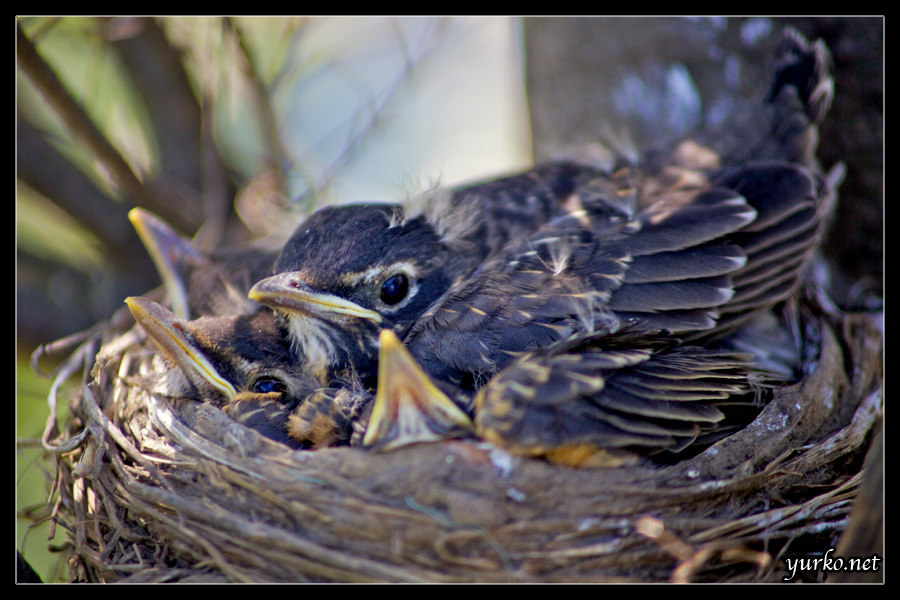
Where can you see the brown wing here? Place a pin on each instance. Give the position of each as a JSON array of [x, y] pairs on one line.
[[641, 399]]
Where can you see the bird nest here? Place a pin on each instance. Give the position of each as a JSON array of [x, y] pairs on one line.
[[152, 490]]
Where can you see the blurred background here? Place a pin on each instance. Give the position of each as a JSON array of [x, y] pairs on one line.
[[230, 129], [237, 128]]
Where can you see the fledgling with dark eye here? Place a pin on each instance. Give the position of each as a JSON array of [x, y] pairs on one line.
[[379, 272], [682, 242], [239, 363], [350, 271]]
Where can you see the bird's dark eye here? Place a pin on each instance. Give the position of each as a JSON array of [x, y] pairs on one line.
[[394, 289], [267, 385]]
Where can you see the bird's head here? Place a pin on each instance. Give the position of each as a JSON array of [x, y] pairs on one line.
[[222, 359], [347, 273]]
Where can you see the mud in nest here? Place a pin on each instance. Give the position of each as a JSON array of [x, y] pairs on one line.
[[152, 490]]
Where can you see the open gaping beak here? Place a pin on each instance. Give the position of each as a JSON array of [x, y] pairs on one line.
[[409, 408]]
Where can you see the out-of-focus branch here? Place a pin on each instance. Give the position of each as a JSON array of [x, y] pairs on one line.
[[189, 161], [48, 172], [157, 72], [275, 153], [83, 129]]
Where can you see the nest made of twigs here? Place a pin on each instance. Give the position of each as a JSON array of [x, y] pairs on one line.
[[155, 490]]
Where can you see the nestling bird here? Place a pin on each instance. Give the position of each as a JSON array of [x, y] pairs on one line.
[[680, 242], [374, 274], [240, 363]]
